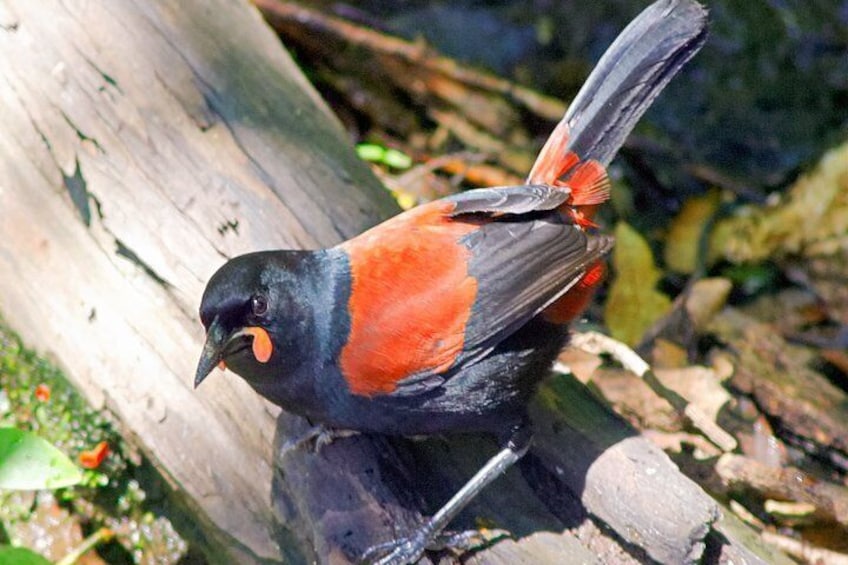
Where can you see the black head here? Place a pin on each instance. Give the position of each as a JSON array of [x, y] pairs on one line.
[[247, 306]]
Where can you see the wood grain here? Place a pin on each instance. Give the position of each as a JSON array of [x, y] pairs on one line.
[[193, 137]]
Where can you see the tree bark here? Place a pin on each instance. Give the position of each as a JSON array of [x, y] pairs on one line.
[[143, 142]]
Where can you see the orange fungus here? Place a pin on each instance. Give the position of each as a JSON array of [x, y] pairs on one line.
[[92, 458]]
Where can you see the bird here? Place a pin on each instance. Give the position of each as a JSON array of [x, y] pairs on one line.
[[446, 317]]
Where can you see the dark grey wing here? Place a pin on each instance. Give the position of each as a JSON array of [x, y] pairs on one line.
[[521, 268], [525, 257]]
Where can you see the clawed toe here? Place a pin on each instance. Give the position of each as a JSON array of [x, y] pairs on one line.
[[469, 540], [411, 549], [396, 552], [314, 439]]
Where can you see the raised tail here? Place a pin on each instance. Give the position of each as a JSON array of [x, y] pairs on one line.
[[627, 79]]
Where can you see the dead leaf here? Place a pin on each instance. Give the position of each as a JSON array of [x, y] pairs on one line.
[[698, 385], [706, 298], [634, 304], [676, 442], [706, 397], [634, 400], [582, 364], [811, 220], [666, 354], [683, 244], [837, 358]]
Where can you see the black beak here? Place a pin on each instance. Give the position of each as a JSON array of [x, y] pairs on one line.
[[213, 351]]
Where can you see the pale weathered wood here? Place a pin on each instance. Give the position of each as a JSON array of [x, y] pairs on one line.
[[144, 142], [628, 483], [177, 118]]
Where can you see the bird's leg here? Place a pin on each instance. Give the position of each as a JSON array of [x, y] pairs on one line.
[[410, 548], [314, 439]]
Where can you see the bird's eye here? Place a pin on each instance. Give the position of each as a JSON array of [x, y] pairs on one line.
[[259, 304]]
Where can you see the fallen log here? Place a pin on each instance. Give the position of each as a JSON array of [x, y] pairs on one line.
[[142, 143]]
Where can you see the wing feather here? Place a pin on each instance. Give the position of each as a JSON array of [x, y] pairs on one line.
[[521, 268]]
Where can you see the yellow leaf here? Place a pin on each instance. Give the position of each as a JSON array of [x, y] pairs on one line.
[[634, 304], [405, 200], [811, 219], [684, 237]]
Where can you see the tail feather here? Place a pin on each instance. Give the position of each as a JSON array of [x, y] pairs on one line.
[[627, 79]]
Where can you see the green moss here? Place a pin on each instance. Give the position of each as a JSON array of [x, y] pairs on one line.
[[65, 419], [111, 495]]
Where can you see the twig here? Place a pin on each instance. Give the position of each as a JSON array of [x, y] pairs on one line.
[[785, 483], [101, 535], [415, 52], [803, 550]]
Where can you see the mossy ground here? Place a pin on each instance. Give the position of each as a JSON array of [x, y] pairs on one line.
[[122, 493]]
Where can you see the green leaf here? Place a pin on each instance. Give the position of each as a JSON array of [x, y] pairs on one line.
[[20, 556], [28, 462], [370, 152], [397, 159], [383, 156], [634, 304]]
